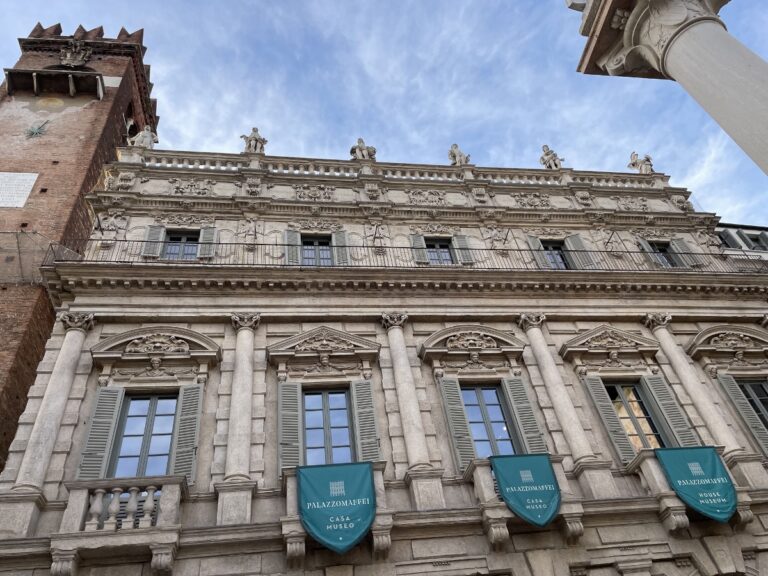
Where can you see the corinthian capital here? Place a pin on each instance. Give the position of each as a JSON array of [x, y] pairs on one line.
[[655, 320], [648, 31], [531, 320], [76, 321], [245, 320], [392, 319]]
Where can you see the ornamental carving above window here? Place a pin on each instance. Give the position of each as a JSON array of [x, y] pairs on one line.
[[610, 339], [158, 343], [470, 341], [324, 342], [732, 340]]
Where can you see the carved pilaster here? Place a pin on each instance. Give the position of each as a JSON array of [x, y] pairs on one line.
[[64, 562], [649, 31], [656, 320], [393, 319], [245, 320], [77, 321], [163, 556], [531, 320]]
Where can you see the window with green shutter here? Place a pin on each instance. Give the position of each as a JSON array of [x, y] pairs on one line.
[[750, 397]]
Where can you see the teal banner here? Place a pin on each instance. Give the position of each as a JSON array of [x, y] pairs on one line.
[[528, 485], [700, 479], [337, 503]]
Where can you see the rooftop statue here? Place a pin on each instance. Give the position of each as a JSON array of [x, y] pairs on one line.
[[254, 142], [144, 139], [644, 166], [362, 152], [550, 160], [457, 157]]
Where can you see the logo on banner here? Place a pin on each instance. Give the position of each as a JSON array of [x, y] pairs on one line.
[[528, 486], [336, 488]]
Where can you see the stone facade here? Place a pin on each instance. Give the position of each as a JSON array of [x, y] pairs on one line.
[[227, 281]]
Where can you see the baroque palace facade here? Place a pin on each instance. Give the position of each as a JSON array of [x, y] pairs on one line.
[[234, 316]]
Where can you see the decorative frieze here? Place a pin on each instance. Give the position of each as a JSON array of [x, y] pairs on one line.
[[470, 341], [422, 197], [77, 320], [324, 342], [191, 187], [433, 228], [157, 343], [535, 200], [322, 224], [177, 219], [248, 320], [656, 320], [631, 203], [393, 319], [314, 193], [528, 320]]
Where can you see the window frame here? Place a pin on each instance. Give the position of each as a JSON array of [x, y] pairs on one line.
[[556, 247], [656, 420], [747, 385], [328, 446], [186, 241], [433, 246], [663, 251], [506, 411], [317, 261]]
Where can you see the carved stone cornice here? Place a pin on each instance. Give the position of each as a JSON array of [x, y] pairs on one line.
[[655, 320], [77, 321], [393, 319], [648, 33], [249, 320], [528, 320]]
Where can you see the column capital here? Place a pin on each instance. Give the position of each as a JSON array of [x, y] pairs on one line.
[[528, 320], [249, 320], [77, 320], [393, 319], [654, 320], [648, 31]]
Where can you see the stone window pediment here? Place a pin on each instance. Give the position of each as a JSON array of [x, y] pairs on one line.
[[471, 349], [739, 349], [323, 353], [608, 348]]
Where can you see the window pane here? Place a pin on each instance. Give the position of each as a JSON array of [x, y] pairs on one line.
[[315, 438], [474, 414], [160, 444], [500, 430], [505, 447], [126, 467], [483, 449], [337, 400], [469, 397], [313, 401], [166, 406], [138, 407], [163, 424], [315, 456], [135, 425], [313, 419], [131, 446], [157, 466], [478, 431], [339, 418], [495, 414], [340, 437], [342, 455], [490, 396]]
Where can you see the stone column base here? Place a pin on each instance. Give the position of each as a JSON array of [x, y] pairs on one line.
[[20, 510], [596, 479], [426, 486], [234, 501], [747, 469]]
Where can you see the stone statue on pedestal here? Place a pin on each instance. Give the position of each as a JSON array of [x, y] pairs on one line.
[[457, 157], [644, 166], [254, 142], [362, 152], [550, 160], [144, 139]]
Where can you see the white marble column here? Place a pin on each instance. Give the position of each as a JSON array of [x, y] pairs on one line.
[[45, 430], [558, 393], [407, 399], [694, 387], [235, 493], [685, 40]]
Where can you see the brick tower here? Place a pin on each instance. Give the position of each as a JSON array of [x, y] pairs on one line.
[[64, 107]]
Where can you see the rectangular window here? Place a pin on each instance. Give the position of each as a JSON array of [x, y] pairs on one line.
[[756, 392], [439, 251], [181, 245], [554, 251], [327, 428], [488, 422], [758, 241], [316, 251], [663, 254], [634, 415], [145, 437]]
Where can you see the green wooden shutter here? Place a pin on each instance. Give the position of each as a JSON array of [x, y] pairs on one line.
[[153, 242], [186, 431], [463, 253], [684, 255], [607, 412], [101, 433], [528, 429], [289, 424], [537, 248], [578, 254], [746, 239], [206, 247], [764, 240], [457, 421], [655, 258], [366, 436], [292, 248], [419, 249], [674, 417], [747, 413], [340, 250], [727, 235]]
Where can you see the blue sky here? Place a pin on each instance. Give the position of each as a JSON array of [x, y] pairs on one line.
[[412, 77]]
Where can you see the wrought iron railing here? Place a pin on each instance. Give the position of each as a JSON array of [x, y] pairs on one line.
[[131, 252]]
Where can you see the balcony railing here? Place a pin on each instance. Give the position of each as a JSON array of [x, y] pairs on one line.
[[140, 253]]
